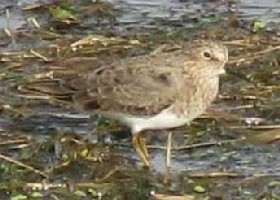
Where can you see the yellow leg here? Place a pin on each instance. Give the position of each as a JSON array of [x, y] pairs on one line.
[[142, 143], [137, 147], [168, 150], [167, 176]]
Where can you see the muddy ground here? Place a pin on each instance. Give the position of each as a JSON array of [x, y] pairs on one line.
[[49, 150]]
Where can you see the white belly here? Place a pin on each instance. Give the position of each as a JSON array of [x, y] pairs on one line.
[[164, 120]]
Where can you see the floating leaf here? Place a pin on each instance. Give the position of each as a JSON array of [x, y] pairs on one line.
[[19, 197], [199, 189], [61, 13], [274, 184], [37, 194], [258, 25], [84, 152], [80, 193]]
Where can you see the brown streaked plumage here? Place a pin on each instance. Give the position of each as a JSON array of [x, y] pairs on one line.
[[158, 91]]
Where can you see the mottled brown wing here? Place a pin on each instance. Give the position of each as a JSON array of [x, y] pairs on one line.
[[141, 89]]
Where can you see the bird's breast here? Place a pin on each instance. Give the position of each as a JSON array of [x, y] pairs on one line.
[[195, 100]]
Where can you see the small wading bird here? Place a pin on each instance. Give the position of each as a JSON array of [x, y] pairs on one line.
[[157, 91]]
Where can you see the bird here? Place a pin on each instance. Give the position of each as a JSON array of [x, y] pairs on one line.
[[155, 91]]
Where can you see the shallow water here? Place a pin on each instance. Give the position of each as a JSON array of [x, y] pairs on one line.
[[246, 160], [153, 13], [268, 11]]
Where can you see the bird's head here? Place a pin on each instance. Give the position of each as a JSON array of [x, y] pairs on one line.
[[208, 58]]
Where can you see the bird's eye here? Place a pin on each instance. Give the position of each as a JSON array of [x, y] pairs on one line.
[[206, 54]]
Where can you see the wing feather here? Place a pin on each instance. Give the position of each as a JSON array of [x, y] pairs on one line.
[[135, 88]]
